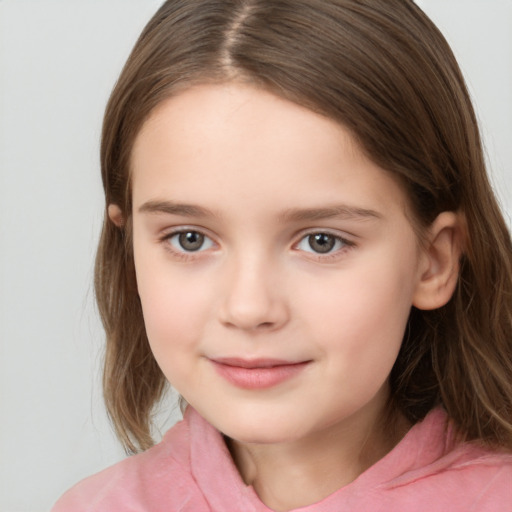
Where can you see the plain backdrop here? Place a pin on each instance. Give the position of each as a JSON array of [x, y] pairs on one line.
[[58, 62]]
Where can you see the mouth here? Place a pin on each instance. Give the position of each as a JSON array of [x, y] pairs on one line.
[[257, 373]]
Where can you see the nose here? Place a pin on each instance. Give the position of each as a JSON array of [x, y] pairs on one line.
[[254, 298]]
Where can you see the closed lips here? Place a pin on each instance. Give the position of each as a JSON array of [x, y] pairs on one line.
[[257, 374]]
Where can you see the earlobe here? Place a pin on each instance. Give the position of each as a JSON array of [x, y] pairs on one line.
[[115, 215], [440, 262]]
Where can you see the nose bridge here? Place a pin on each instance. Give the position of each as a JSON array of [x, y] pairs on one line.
[[253, 298]]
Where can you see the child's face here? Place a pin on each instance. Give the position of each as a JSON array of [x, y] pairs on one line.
[[263, 237]]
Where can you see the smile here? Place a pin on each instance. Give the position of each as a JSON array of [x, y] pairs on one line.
[[257, 374]]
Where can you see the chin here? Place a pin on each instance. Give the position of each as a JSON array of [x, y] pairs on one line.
[[263, 431]]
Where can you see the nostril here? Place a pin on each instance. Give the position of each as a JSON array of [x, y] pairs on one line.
[[265, 325]]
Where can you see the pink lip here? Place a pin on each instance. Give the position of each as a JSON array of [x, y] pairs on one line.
[[257, 373]]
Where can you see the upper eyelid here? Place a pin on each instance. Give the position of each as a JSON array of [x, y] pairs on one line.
[[174, 230], [346, 237]]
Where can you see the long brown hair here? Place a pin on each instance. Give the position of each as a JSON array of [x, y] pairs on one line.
[[382, 69]]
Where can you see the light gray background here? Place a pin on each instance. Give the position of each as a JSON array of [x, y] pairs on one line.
[[58, 62]]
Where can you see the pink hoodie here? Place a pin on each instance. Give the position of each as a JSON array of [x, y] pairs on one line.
[[191, 470]]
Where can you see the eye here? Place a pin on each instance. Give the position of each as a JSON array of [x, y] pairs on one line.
[[321, 243], [189, 241]]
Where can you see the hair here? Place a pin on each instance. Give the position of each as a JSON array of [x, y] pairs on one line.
[[384, 71]]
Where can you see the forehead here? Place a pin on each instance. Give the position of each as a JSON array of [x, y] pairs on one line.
[[239, 111], [234, 139]]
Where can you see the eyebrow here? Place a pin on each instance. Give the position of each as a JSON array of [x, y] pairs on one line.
[[289, 215], [172, 208], [340, 211]]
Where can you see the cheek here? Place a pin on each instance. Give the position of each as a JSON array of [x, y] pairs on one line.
[[175, 308], [360, 314], [168, 309], [174, 327]]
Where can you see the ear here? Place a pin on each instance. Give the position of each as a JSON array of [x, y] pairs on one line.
[[439, 263], [115, 215]]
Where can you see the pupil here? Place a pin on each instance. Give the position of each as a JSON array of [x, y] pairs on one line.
[[191, 241], [321, 242]]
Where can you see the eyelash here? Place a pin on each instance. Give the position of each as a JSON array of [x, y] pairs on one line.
[[182, 253], [346, 245], [186, 255]]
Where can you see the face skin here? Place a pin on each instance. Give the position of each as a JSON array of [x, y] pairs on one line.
[[259, 177]]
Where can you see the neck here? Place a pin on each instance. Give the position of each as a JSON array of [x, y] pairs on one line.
[[300, 472]]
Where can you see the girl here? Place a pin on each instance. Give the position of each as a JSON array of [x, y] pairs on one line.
[[301, 238]]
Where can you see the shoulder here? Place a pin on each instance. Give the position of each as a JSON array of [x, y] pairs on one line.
[[481, 477], [154, 480], [431, 470], [467, 478]]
